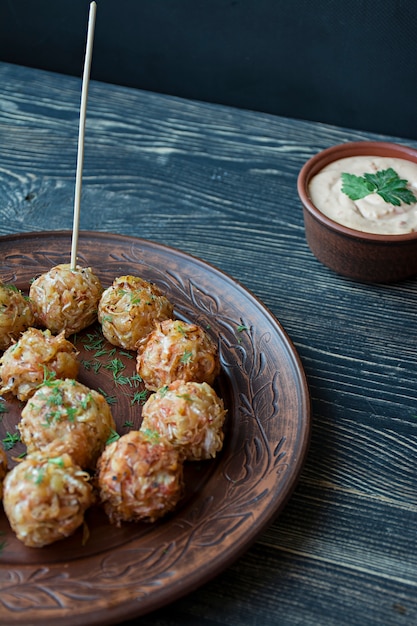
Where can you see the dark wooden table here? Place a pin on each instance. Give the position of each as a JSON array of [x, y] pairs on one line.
[[220, 184]]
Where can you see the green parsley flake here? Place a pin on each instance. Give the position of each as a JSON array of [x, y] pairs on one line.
[[152, 435], [39, 475], [386, 183], [57, 461], [49, 378], [114, 436], [12, 288], [186, 357], [85, 401], [185, 396], [134, 298]]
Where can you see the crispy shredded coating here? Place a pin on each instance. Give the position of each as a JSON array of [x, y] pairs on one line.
[[66, 300], [37, 354], [65, 425], [128, 310], [45, 498], [15, 315], [74, 418], [139, 478], [176, 350], [190, 416]]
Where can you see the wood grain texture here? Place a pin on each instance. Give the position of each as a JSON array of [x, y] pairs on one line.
[[221, 184]]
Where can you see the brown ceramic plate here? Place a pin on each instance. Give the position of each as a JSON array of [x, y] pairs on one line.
[[120, 573]]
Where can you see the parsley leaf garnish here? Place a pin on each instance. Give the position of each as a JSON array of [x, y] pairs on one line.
[[386, 183]]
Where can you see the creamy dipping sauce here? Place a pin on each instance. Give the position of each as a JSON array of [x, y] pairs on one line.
[[370, 214]]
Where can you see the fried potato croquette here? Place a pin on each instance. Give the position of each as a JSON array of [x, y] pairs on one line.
[[24, 365], [176, 350], [190, 416], [15, 315], [139, 478], [65, 412], [128, 310], [45, 498], [65, 299]]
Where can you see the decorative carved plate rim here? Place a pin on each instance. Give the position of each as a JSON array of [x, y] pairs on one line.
[[241, 492]]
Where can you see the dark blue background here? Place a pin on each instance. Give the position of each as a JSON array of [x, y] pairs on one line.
[[347, 63]]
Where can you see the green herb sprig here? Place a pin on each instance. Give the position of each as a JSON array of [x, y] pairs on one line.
[[10, 440], [139, 397], [114, 436], [386, 183]]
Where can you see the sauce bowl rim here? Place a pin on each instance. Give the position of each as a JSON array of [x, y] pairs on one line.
[[338, 151]]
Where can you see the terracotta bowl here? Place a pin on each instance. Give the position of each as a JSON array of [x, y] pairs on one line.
[[365, 257]]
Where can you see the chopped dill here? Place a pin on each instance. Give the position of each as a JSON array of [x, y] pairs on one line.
[[186, 357], [93, 341], [55, 398], [185, 396], [10, 440], [57, 461], [134, 298], [86, 399], [71, 412], [109, 399], [39, 475], [139, 397], [91, 365], [116, 366], [53, 416], [101, 352], [152, 435], [122, 380], [49, 378], [123, 353], [135, 380]]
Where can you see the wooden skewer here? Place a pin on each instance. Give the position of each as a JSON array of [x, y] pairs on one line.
[[80, 155]]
